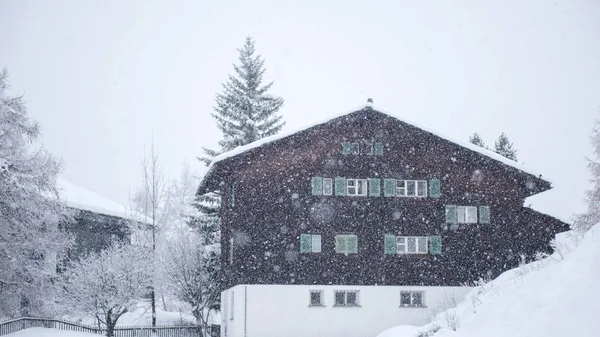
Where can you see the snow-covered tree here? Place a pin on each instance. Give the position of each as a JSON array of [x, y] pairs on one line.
[[107, 284], [586, 220], [476, 139], [193, 273], [30, 211], [153, 201], [244, 113], [505, 148]]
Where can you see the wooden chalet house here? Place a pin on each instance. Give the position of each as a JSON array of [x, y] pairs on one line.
[[364, 222]]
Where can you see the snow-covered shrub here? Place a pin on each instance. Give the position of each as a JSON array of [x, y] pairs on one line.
[[108, 284]]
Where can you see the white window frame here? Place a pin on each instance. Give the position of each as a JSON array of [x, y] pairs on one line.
[[346, 292], [402, 189], [328, 182], [420, 247], [321, 299], [412, 299], [354, 184], [466, 214]]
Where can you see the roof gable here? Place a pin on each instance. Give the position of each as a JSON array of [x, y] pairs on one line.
[[371, 110]]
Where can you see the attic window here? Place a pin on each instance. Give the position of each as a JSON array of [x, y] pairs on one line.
[[350, 148]]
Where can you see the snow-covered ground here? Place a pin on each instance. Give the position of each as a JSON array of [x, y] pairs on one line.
[[554, 297], [45, 332]]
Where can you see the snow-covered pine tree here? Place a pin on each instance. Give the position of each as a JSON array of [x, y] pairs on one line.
[[30, 211], [244, 113], [476, 139], [586, 220], [505, 148]]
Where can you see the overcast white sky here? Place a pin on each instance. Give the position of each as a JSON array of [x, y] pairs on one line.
[[103, 76]]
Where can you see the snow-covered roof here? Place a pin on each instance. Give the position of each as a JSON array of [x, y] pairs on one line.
[[78, 197], [470, 146]]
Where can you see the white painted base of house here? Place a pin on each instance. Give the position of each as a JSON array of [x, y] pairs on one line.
[[283, 310]]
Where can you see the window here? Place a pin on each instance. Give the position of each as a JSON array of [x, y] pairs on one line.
[[466, 214], [327, 186], [346, 298], [411, 245], [350, 148], [310, 243], [346, 244], [316, 298], [411, 188], [411, 299], [356, 187]]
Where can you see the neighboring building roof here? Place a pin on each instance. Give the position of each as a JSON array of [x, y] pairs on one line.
[[78, 197], [470, 146]]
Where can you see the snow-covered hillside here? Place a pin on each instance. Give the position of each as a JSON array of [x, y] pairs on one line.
[[554, 297]]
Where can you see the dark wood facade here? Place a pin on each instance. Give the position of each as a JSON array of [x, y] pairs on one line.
[[93, 232], [273, 205]]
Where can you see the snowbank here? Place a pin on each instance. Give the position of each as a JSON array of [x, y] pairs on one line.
[[45, 332], [554, 297]]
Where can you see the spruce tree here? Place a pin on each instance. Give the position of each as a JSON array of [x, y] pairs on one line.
[[244, 113], [476, 139], [585, 221], [505, 148]]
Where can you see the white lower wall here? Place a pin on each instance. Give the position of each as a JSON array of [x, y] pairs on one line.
[[283, 310]]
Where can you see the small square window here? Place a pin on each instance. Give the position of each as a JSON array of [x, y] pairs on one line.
[[345, 298], [327, 186], [411, 299], [316, 298]]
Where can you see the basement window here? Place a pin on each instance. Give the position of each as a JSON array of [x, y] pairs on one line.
[[346, 298], [411, 299], [316, 298]]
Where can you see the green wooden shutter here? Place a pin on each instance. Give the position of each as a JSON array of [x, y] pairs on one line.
[[317, 186], [389, 187], [450, 213], [346, 148], [378, 149], [352, 242], [340, 243], [389, 244], [484, 214], [305, 243], [340, 186], [374, 187], [434, 188], [435, 245]]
